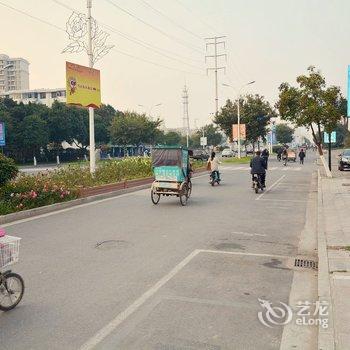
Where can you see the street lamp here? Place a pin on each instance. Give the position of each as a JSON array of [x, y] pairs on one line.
[[150, 109], [239, 113]]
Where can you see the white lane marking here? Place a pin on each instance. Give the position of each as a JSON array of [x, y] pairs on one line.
[[36, 217], [121, 317], [246, 254], [248, 234], [271, 187], [284, 200], [111, 326], [341, 277]]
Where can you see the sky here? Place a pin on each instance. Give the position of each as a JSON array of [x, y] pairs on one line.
[[270, 42]]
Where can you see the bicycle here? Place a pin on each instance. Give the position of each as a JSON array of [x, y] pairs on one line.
[[11, 284]]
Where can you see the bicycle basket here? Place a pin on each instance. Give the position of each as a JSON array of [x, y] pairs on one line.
[[9, 250]]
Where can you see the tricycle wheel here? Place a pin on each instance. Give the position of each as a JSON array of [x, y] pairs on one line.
[[189, 191], [155, 197], [183, 195]]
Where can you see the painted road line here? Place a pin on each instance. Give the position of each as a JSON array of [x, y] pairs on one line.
[[111, 326], [284, 200], [248, 234], [271, 187], [121, 317]]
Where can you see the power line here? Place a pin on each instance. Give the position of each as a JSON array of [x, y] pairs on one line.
[[170, 19], [31, 16], [193, 14], [137, 41], [181, 42], [156, 64], [121, 52]]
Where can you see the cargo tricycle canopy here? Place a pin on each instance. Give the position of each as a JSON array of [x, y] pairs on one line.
[[170, 156]]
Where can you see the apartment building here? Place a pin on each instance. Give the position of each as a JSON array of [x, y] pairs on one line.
[[44, 96], [14, 73]]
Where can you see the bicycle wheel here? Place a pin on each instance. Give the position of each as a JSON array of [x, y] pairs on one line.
[[183, 195], [155, 197], [11, 291]]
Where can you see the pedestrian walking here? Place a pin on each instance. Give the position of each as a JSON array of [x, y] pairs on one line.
[[265, 156], [302, 155]]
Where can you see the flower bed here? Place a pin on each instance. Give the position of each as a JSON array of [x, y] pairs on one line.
[[31, 191]]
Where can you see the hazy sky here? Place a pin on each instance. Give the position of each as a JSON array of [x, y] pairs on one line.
[[269, 41]]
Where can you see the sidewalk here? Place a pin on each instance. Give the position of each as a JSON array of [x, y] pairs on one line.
[[334, 259]]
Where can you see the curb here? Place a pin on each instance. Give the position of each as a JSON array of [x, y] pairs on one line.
[[25, 214], [326, 337]]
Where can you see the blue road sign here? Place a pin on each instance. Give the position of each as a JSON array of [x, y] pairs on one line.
[[2, 134], [333, 137]]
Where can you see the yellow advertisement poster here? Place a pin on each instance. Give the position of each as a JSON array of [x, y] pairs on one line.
[[82, 86]]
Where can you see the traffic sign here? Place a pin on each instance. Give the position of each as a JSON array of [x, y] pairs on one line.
[[203, 141], [2, 134], [333, 137]]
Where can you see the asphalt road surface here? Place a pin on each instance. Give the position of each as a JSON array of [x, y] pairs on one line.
[[122, 273]]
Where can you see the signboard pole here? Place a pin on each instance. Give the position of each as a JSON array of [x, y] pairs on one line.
[[329, 152], [239, 128], [91, 110]]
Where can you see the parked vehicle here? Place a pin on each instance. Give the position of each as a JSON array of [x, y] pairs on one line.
[[11, 284], [344, 160], [200, 154], [172, 172], [227, 153]]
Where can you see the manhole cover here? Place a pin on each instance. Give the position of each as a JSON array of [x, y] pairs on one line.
[[306, 264], [111, 243]]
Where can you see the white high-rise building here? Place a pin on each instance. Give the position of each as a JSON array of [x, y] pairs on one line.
[[14, 73]]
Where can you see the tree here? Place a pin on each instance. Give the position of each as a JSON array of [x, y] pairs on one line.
[[255, 114], [171, 138], [210, 131], [284, 133], [134, 129], [312, 104], [34, 135]]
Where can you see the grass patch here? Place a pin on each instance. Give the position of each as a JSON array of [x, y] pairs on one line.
[[243, 160]]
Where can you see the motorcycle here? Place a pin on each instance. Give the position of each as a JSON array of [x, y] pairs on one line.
[[257, 183], [214, 178]]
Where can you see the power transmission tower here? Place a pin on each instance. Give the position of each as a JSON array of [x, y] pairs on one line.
[[216, 42], [185, 119]]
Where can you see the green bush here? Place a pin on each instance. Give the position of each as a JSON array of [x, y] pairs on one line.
[[8, 169]]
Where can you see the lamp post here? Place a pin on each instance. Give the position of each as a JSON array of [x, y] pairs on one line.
[[239, 114], [151, 108]]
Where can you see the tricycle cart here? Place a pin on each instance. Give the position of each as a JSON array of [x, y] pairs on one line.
[[172, 173]]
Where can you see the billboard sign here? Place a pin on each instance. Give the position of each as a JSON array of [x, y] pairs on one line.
[[82, 86], [333, 137], [2, 134], [348, 92], [235, 132]]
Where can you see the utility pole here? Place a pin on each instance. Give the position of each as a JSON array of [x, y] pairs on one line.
[[91, 110], [216, 42], [185, 119]]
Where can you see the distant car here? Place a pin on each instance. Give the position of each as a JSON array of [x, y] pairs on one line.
[[344, 160], [292, 155], [199, 154], [227, 153]]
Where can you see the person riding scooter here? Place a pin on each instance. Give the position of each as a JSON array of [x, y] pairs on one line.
[[213, 163], [258, 167]]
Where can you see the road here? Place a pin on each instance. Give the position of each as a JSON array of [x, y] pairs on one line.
[[167, 277]]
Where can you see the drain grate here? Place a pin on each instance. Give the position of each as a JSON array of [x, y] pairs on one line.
[[306, 264]]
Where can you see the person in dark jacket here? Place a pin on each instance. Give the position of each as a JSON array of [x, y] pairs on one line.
[[258, 166], [302, 156], [265, 155]]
